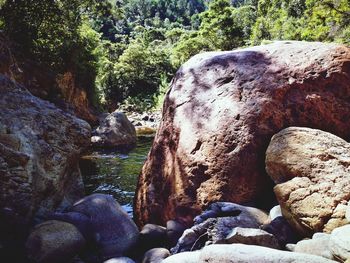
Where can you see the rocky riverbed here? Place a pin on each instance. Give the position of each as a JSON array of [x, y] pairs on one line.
[[250, 164]]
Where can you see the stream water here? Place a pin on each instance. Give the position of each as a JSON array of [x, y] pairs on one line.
[[115, 172]]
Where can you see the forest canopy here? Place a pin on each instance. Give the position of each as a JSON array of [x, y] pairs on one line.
[[126, 51]]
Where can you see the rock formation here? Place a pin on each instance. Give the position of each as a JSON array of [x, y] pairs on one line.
[[62, 89], [39, 150], [220, 114], [54, 242], [311, 170], [115, 130], [103, 223]]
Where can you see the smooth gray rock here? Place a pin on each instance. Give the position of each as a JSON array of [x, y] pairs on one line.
[[152, 236], [252, 236], [54, 241], [155, 255], [105, 222], [347, 213], [174, 231], [318, 245], [339, 243], [238, 253], [115, 130], [119, 260], [275, 212], [184, 257], [280, 228]]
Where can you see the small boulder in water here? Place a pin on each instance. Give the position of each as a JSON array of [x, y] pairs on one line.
[[115, 130]]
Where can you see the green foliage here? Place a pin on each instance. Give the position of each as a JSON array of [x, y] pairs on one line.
[[127, 50], [139, 70], [55, 34], [310, 20]]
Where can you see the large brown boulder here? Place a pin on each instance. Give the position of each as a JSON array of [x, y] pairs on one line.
[[220, 114], [40, 147], [312, 171]]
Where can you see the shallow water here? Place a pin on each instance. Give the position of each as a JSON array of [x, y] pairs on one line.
[[115, 172]]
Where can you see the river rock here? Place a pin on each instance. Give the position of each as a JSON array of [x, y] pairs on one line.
[[237, 253], [339, 243], [184, 257], [318, 245], [115, 130], [220, 114], [347, 213], [155, 255], [40, 147], [174, 231], [103, 222], [119, 260], [252, 236], [216, 223], [275, 212], [280, 228], [152, 236], [54, 241], [312, 171]]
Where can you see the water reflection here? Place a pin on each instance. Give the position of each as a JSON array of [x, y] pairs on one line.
[[115, 172]]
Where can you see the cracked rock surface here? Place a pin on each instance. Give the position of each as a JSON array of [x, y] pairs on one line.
[[219, 115], [312, 171], [40, 146]]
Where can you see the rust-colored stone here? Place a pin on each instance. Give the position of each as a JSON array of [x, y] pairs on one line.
[[220, 114]]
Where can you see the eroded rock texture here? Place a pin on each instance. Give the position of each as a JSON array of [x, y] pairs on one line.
[[219, 116], [39, 151], [312, 172]]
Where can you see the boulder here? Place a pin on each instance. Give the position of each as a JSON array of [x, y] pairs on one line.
[[152, 236], [318, 245], [184, 257], [54, 242], [115, 130], [252, 236], [237, 253], [155, 255], [220, 114], [174, 231], [312, 171], [339, 243], [280, 228], [40, 147], [275, 212], [216, 223], [119, 260], [104, 223]]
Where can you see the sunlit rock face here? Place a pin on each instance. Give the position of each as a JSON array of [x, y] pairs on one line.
[[220, 114]]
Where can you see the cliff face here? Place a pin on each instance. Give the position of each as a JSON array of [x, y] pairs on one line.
[[40, 143], [62, 89]]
